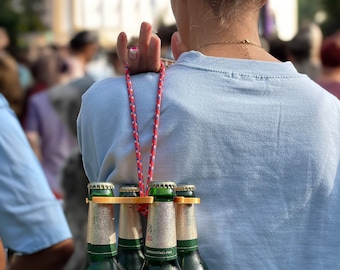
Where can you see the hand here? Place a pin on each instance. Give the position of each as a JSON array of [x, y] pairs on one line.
[[52, 258], [146, 56]]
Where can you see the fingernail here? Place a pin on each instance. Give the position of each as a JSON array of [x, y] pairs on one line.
[[133, 52]]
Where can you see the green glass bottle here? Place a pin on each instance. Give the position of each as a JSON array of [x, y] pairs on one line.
[[101, 233], [130, 233], [186, 231], [160, 242]]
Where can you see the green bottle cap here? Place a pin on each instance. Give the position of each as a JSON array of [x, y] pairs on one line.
[[100, 189], [162, 189]]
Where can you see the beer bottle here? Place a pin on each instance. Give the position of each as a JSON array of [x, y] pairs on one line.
[[186, 231], [101, 233], [160, 242], [130, 233]]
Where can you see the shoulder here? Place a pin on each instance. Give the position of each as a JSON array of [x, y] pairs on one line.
[[115, 89], [38, 99]]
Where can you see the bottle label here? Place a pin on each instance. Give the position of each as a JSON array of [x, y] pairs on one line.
[[101, 229], [160, 241], [130, 243], [130, 226], [102, 250], [186, 228], [160, 254], [187, 245]]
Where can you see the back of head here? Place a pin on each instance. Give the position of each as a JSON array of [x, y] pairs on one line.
[[306, 43], [82, 39], [330, 51], [225, 9], [10, 84], [45, 69]]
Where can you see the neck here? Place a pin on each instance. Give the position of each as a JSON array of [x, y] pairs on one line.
[[207, 28], [199, 26]]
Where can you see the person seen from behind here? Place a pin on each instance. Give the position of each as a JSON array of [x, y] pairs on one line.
[[47, 132], [258, 139], [304, 50]]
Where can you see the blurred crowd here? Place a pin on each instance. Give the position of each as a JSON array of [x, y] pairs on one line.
[[313, 54], [45, 92]]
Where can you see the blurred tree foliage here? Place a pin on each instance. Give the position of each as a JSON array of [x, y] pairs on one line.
[[19, 17], [308, 10], [332, 9]]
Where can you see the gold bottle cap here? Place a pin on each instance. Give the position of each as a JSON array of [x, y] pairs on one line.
[[100, 185], [185, 187], [129, 189]]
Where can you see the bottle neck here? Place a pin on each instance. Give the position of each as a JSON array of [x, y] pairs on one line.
[[101, 233], [186, 229], [160, 243], [130, 234]]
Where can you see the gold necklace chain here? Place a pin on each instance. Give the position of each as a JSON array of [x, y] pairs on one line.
[[244, 42]]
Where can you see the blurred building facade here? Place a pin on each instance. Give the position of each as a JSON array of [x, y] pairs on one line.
[[108, 17], [286, 17]]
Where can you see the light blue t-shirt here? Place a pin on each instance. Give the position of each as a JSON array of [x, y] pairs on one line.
[[31, 218], [260, 141]]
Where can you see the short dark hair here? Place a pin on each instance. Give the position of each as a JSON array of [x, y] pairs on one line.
[[81, 39], [165, 33]]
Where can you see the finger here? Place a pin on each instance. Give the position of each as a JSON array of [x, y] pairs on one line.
[[143, 45], [122, 48], [177, 46], [154, 54]]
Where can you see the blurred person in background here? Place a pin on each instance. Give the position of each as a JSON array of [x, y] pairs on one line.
[[33, 226], [304, 50], [83, 47], [330, 58], [278, 48], [258, 139], [50, 139], [66, 100], [47, 132], [74, 187], [47, 70], [10, 85]]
